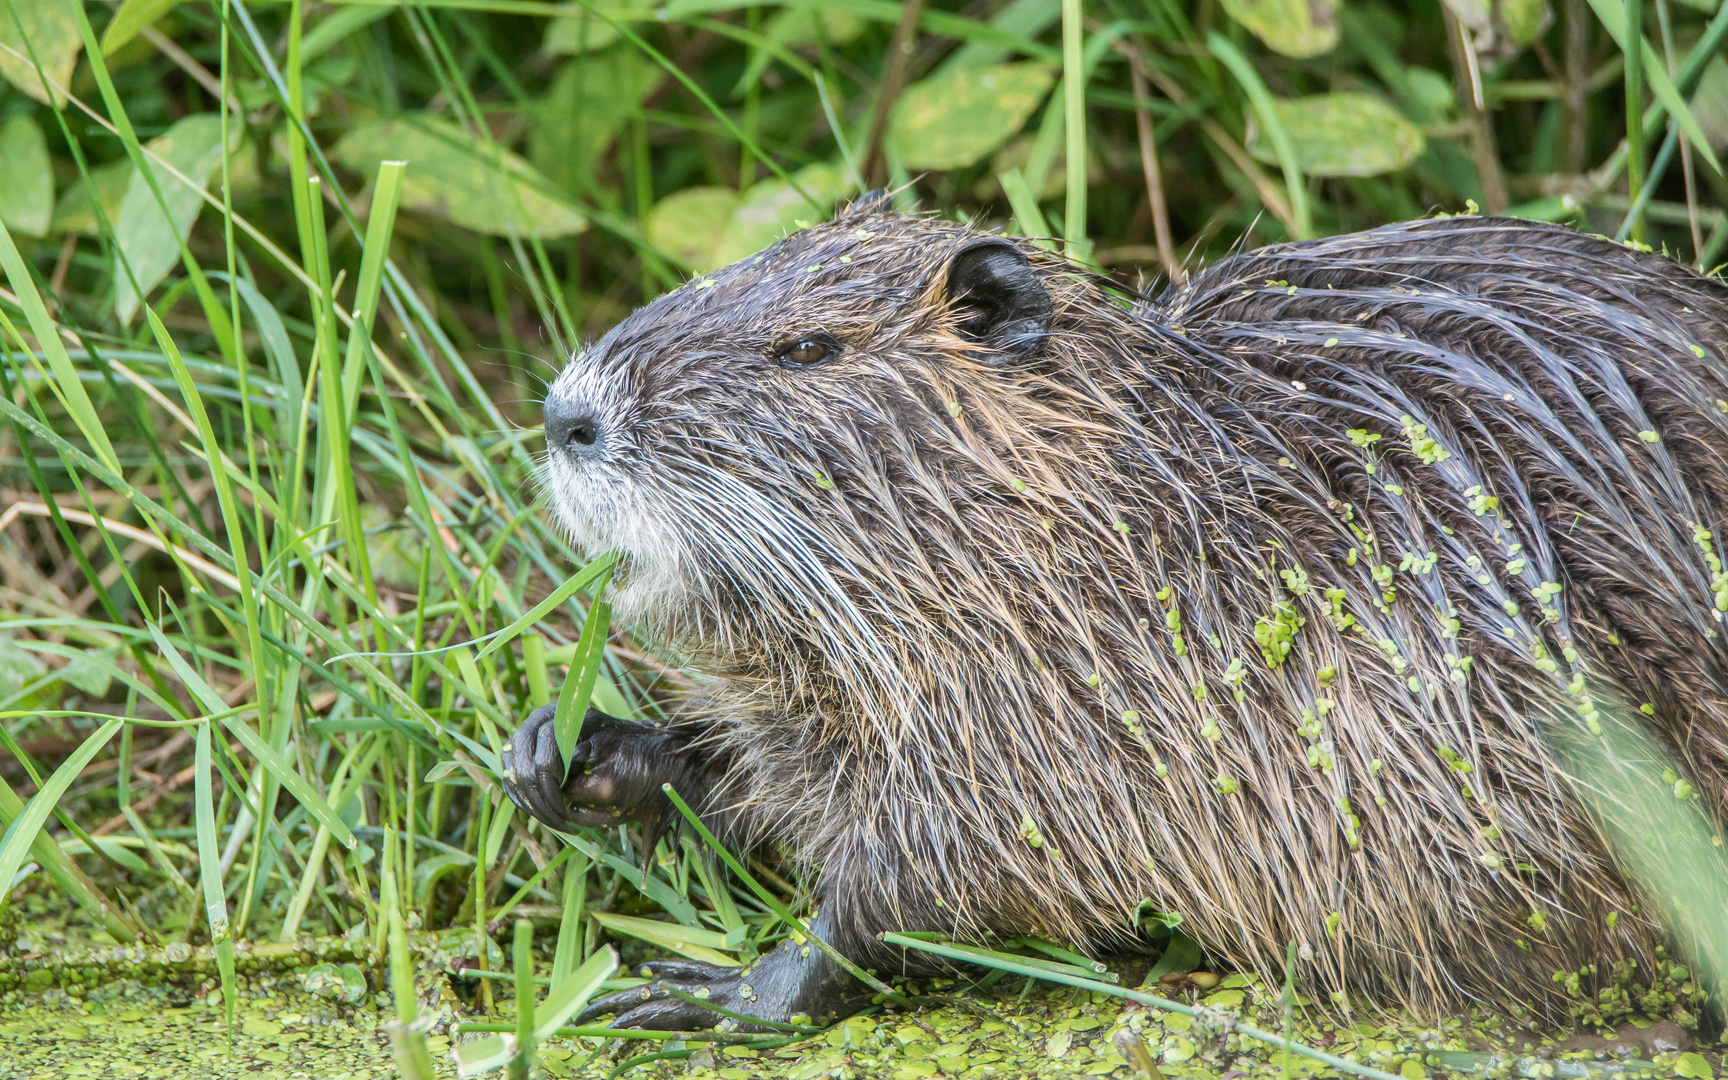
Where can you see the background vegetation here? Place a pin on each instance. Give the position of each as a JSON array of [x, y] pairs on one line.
[[262, 700]]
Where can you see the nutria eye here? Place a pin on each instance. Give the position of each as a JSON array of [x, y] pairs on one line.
[[808, 352]]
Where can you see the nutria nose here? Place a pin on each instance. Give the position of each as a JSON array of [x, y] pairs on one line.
[[573, 428]]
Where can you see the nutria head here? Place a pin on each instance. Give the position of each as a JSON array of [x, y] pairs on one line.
[[703, 436]]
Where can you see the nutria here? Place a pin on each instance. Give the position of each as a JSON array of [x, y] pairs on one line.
[[1024, 605]]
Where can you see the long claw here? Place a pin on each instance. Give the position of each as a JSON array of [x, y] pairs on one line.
[[548, 776], [784, 983], [523, 777], [621, 1004], [659, 1000], [683, 970]]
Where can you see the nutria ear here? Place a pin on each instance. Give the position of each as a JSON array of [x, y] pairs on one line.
[[1000, 301]]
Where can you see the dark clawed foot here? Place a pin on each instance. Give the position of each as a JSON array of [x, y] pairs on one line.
[[615, 772], [533, 769], [655, 1007], [792, 981]]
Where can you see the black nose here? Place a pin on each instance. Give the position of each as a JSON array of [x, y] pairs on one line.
[[573, 428]]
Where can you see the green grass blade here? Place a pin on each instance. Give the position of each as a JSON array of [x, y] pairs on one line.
[[21, 835], [1074, 118], [578, 688], [209, 869], [582, 579], [569, 995], [66, 383], [481, 1056], [220, 327], [66, 875], [1612, 14], [534, 667], [570, 921], [1266, 111], [386, 193], [773, 901], [1028, 219], [689, 942], [321, 843], [413, 1056], [223, 560], [280, 770], [522, 967], [225, 496]]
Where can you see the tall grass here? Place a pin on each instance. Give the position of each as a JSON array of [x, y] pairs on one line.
[[272, 525]]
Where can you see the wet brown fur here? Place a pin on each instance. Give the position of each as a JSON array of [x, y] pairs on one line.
[[926, 588]]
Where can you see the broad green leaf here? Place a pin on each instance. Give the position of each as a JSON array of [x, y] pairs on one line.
[[393, 548], [772, 208], [1499, 28], [1695, 1067], [1023, 19], [567, 998], [26, 179], [688, 225], [1524, 20], [133, 16], [345, 983], [51, 31], [956, 117], [451, 176], [583, 111], [90, 673], [74, 214], [1343, 135], [578, 30], [1710, 102], [1299, 28], [148, 240], [688, 942], [427, 873], [809, 25], [1430, 92], [18, 667], [337, 26]]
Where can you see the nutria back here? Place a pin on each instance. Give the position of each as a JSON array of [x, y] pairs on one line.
[[1274, 603]]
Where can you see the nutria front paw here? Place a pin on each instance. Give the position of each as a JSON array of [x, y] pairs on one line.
[[794, 983], [615, 772]]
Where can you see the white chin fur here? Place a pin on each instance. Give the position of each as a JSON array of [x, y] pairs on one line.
[[595, 508]]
